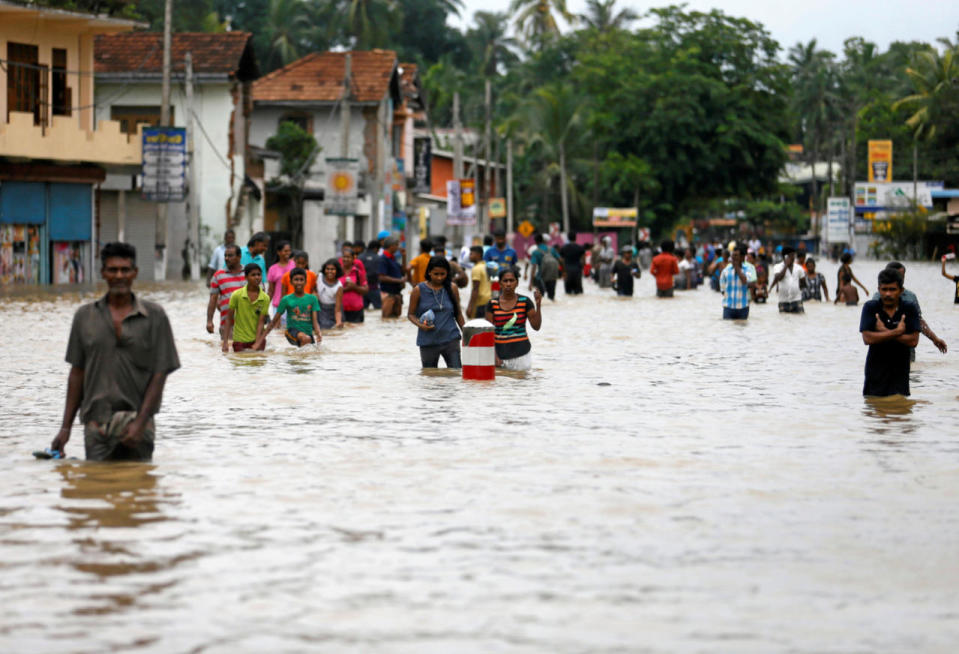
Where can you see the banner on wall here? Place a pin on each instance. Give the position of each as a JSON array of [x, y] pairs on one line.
[[880, 161], [422, 164], [19, 254], [68, 262], [341, 181], [461, 202]]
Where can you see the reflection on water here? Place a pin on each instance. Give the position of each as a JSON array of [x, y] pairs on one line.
[[661, 481], [113, 495]]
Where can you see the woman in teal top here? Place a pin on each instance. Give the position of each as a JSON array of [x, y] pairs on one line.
[[440, 335]]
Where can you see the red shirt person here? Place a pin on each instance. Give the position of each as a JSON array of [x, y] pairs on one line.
[[664, 267]]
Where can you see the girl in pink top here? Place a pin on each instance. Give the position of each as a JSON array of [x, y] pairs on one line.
[[354, 288], [284, 264]]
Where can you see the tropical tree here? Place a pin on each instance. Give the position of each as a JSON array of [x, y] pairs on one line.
[[602, 16], [935, 96], [493, 48], [536, 19], [935, 81], [815, 102], [554, 116], [286, 24], [368, 22]]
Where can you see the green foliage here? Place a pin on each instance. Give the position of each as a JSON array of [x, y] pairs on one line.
[[686, 115], [295, 146], [901, 237]]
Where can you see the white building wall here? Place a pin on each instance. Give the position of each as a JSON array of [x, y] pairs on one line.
[[213, 105], [326, 130]]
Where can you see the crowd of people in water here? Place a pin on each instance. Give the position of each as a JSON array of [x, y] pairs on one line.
[[486, 279], [121, 347]]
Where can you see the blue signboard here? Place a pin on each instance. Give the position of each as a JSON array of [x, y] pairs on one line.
[[164, 164]]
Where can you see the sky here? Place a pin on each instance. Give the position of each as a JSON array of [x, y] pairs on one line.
[[830, 22]]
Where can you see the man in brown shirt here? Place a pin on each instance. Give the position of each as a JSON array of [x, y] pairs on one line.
[[121, 350]]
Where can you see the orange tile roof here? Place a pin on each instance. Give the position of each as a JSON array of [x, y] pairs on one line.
[[142, 52], [318, 77]]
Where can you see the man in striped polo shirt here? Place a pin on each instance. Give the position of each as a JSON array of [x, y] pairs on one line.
[[222, 285]]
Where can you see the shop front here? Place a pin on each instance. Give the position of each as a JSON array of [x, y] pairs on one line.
[[46, 232]]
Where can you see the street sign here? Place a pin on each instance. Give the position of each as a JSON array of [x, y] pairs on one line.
[[341, 195], [164, 164], [526, 229], [838, 215], [497, 207], [607, 217], [873, 196]]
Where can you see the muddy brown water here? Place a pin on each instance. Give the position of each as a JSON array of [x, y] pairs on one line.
[[662, 481]]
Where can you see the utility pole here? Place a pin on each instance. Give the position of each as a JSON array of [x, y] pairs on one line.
[[345, 138], [193, 199], [457, 138], [457, 152], [487, 149], [509, 185], [159, 263]]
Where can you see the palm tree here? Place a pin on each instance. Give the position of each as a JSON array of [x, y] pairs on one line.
[[536, 19], [935, 81], [368, 22], [493, 48], [554, 116], [601, 16], [815, 103], [285, 26], [934, 78]]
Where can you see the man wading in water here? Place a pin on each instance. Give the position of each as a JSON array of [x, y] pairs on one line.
[[889, 327], [121, 349]]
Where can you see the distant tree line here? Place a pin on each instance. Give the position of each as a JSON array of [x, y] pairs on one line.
[[687, 117]]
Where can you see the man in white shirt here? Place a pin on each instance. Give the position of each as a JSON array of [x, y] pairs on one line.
[[218, 261], [786, 275]]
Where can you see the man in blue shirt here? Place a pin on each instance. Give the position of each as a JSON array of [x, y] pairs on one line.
[[503, 255], [253, 252]]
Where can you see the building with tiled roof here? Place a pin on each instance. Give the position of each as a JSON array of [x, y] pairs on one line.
[[318, 78], [128, 71], [309, 92], [141, 53], [53, 151]]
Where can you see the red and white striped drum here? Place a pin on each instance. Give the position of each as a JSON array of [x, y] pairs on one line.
[[479, 350]]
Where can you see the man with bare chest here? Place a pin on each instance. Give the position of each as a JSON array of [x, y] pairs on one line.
[[121, 350]]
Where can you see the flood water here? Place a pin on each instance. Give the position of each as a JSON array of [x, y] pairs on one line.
[[662, 481]]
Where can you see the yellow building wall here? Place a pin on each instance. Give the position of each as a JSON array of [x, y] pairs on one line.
[[71, 138]]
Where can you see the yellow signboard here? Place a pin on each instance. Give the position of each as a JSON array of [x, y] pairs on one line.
[[608, 217], [526, 229], [497, 207], [880, 161]]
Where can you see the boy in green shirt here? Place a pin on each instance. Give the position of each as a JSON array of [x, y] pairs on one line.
[[249, 309], [301, 310]]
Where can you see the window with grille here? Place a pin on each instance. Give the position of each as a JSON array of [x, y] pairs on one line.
[[61, 94], [26, 82]]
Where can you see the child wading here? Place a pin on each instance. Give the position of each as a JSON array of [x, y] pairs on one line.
[[438, 335], [509, 314], [302, 310], [249, 311]]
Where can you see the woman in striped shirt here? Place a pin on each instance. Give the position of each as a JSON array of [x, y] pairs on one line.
[[509, 314]]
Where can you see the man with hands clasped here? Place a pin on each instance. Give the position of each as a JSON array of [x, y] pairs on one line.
[[736, 280], [890, 327]]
